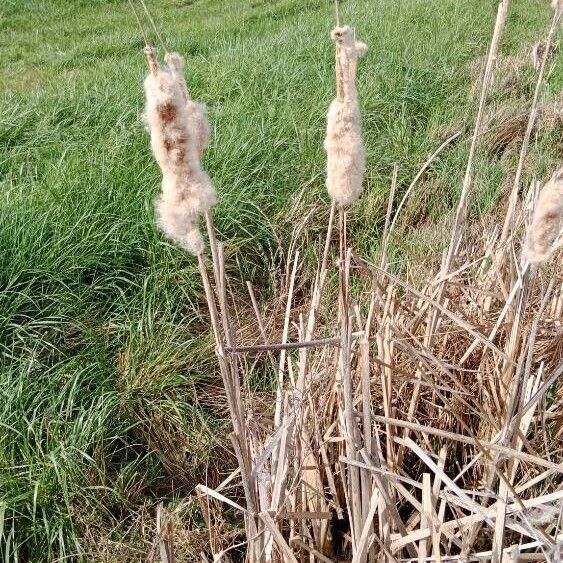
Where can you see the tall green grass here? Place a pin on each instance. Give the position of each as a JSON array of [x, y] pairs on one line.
[[103, 336]]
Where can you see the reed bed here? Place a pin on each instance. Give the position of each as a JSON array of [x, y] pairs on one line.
[[426, 432], [408, 422]]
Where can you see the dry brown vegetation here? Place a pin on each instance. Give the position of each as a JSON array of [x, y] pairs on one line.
[[449, 449]]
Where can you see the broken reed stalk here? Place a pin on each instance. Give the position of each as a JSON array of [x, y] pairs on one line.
[[509, 218], [485, 89], [417, 177], [332, 341], [387, 229]]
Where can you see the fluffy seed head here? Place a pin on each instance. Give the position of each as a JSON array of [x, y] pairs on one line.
[[175, 65], [179, 133], [200, 130], [344, 37], [199, 125], [545, 234], [346, 159]]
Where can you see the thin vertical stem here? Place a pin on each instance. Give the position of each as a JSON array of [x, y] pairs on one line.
[[154, 26], [347, 386], [386, 230], [487, 81], [337, 12], [139, 24], [527, 135]]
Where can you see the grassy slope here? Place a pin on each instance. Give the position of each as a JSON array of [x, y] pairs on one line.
[[99, 317]]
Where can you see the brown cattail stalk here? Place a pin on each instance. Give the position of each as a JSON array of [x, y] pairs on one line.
[[346, 163], [179, 133], [488, 79]]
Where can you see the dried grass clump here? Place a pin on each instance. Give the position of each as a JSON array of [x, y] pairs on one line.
[[506, 128], [449, 454], [346, 158], [179, 134], [545, 234]]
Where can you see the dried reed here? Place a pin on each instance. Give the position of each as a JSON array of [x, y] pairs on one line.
[[179, 134], [339, 467]]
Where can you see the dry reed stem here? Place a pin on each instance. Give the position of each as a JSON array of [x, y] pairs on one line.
[[346, 377], [485, 88], [509, 218]]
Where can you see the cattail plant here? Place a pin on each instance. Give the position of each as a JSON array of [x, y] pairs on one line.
[[545, 234], [346, 163], [346, 158], [179, 133]]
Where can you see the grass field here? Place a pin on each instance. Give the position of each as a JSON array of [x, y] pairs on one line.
[[103, 337]]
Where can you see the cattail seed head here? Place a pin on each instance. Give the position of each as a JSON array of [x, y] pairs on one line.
[[198, 122], [545, 233], [179, 133], [346, 159]]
